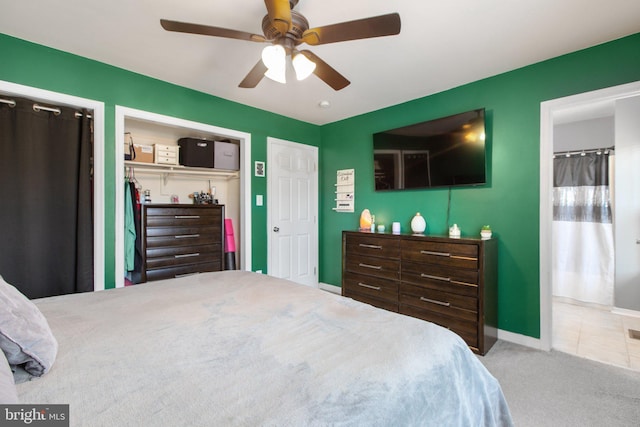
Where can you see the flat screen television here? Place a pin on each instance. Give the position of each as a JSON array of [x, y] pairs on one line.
[[444, 152]]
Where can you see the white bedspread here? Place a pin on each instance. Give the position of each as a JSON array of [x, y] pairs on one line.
[[239, 348]]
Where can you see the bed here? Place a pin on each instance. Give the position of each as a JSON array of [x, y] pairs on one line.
[[244, 349]]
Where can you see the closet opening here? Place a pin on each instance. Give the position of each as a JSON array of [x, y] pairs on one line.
[[51, 188]]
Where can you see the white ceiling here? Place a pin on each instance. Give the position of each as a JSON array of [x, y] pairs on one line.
[[442, 44]]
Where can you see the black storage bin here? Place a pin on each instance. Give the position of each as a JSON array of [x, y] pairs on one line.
[[196, 152]]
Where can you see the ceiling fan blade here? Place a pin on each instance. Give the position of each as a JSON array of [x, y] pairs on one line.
[[185, 27], [255, 75], [377, 26], [279, 14], [325, 72]]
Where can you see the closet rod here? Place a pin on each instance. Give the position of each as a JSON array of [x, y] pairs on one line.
[[37, 107], [573, 152]]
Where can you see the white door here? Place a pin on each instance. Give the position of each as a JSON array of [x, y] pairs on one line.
[[292, 211], [627, 204]]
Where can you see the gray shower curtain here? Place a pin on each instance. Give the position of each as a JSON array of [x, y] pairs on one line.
[[46, 220], [583, 261]]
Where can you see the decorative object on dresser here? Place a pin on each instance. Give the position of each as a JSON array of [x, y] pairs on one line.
[[450, 282], [418, 224], [181, 239], [486, 233]]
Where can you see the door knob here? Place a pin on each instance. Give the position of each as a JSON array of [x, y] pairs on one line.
[[276, 229]]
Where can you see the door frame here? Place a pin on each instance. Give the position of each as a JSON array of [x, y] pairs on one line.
[[270, 162], [548, 110], [121, 113], [46, 96]]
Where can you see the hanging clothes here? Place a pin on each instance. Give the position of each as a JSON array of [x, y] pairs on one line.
[[129, 230], [137, 218]]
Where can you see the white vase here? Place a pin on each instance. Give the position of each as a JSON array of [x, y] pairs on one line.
[[485, 234], [418, 224]]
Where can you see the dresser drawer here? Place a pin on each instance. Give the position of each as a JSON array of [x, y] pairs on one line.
[[184, 256], [467, 330], [445, 278], [373, 245], [183, 232], [372, 286], [458, 255], [181, 240], [177, 251], [184, 270], [372, 266], [183, 220], [188, 212], [376, 302], [452, 305]]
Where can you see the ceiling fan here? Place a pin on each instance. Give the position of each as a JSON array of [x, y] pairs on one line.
[[285, 29]]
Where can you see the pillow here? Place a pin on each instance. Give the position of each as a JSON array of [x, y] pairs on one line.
[[8, 392], [25, 336]]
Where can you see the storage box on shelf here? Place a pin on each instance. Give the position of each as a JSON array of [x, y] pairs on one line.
[[226, 155], [196, 152], [166, 154], [450, 282]]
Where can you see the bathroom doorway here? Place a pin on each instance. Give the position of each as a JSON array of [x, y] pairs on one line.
[[593, 330]]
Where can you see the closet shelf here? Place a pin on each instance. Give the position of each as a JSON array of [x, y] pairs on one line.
[[153, 168]]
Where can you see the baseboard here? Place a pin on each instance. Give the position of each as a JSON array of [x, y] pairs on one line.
[[625, 312], [330, 288], [519, 339]]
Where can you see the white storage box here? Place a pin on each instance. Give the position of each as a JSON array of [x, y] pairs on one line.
[[166, 154], [226, 155]]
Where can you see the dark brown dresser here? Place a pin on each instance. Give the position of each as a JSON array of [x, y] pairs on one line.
[[179, 240], [450, 282]]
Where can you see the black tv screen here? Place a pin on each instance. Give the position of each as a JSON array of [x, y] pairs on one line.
[[444, 152]]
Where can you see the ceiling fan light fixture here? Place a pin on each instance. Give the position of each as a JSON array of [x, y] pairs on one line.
[[274, 58], [276, 74], [302, 65]]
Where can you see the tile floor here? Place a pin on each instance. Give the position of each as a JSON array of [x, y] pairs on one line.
[[595, 333]]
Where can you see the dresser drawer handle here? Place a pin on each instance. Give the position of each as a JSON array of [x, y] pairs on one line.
[[187, 255], [444, 304], [187, 236], [375, 267], [364, 285], [362, 245], [435, 253], [187, 216], [467, 258], [428, 276], [475, 285], [186, 274]]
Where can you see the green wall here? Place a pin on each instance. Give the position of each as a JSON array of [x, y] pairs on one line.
[[44, 68], [510, 202]]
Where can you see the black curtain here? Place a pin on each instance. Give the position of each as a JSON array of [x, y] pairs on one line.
[[46, 191]]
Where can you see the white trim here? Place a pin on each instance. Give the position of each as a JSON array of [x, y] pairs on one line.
[[625, 312], [98, 162], [520, 339], [547, 111], [245, 179], [330, 288]]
